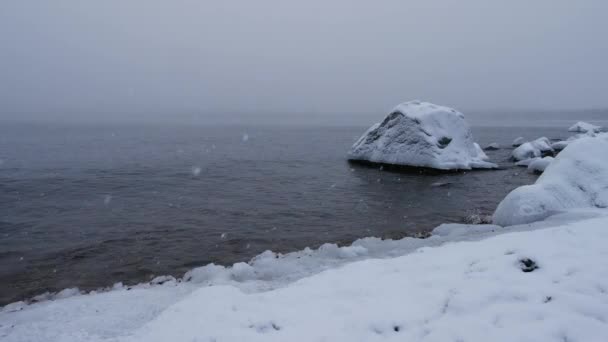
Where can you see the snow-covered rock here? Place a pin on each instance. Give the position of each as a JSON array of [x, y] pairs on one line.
[[492, 147], [480, 153], [533, 149], [542, 144], [539, 165], [527, 162], [584, 127], [560, 145], [526, 151], [421, 134], [518, 141], [576, 178]]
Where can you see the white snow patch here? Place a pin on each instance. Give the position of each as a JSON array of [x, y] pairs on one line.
[[421, 134]]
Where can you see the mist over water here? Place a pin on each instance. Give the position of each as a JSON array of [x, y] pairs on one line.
[[149, 59]]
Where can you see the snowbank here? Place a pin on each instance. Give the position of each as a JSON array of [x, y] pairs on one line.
[[584, 127], [577, 178], [421, 134], [543, 285]]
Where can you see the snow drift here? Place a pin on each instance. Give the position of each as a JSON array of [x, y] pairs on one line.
[[576, 178], [421, 134]]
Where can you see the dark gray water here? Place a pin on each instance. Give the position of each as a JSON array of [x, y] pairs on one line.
[[88, 206]]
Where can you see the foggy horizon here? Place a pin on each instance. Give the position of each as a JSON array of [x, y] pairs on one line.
[[156, 61]]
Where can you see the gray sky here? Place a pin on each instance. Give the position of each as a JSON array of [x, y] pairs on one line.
[[151, 58]]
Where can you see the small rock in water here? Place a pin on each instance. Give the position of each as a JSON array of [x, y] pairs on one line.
[[492, 147], [519, 141]]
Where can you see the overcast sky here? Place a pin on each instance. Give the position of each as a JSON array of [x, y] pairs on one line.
[[92, 59]]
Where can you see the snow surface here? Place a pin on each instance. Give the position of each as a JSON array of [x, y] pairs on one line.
[[584, 127], [421, 134], [577, 178], [462, 291]]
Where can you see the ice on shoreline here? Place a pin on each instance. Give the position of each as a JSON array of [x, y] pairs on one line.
[[421, 134], [420, 289]]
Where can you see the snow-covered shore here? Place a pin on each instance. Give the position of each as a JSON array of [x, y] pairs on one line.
[[540, 281], [467, 290]]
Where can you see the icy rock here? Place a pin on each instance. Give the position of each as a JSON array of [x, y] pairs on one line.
[[518, 141], [421, 134], [525, 151], [540, 164], [576, 178], [533, 149], [492, 147], [559, 145], [480, 153], [584, 127], [527, 162]]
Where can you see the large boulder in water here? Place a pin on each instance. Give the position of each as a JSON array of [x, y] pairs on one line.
[[421, 134]]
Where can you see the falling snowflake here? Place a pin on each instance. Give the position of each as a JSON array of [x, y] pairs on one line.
[[196, 171], [245, 137]]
